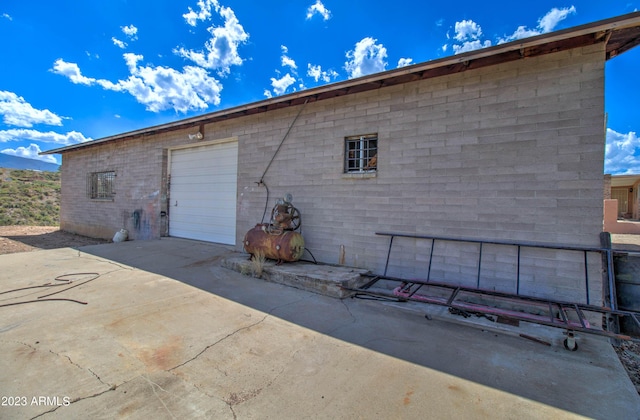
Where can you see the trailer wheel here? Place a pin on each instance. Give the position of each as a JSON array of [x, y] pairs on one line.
[[570, 342]]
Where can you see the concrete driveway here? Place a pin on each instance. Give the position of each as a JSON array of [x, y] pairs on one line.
[[167, 333]]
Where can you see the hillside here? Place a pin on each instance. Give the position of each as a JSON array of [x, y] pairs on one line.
[[14, 162], [29, 198]]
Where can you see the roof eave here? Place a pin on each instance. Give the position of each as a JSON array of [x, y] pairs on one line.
[[588, 34]]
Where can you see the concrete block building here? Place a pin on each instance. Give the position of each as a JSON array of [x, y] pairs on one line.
[[503, 143]]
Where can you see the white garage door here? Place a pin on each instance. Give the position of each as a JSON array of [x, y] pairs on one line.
[[203, 193]]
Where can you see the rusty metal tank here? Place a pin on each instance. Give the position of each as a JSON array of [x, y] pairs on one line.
[[274, 244]]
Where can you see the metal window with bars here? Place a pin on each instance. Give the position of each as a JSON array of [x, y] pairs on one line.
[[101, 185], [361, 153]]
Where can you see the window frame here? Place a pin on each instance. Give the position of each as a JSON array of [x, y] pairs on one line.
[[101, 185], [359, 154]]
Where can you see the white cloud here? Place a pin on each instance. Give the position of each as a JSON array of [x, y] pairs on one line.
[[158, 88], [7, 16], [468, 33], [130, 31], [546, 23], [132, 60], [280, 85], [467, 30], [622, 153], [470, 46], [18, 112], [317, 73], [521, 32], [118, 43], [31, 152], [204, 13], [72, 72], [403, 62], [286, 60], [366, 58], [221, 50], [318, 9], [72, 137]]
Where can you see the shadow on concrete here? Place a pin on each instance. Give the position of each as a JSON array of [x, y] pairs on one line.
[[589, 382], [54, 240]]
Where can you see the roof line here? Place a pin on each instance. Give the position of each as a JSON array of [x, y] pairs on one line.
[[587, 34]]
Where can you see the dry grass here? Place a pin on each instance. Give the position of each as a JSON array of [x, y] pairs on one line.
[[257, 264]]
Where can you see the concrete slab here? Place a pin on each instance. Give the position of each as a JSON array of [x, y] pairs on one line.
[[168, 333], [328, 280]]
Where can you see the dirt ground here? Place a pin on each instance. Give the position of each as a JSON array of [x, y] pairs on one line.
[[34, 238]]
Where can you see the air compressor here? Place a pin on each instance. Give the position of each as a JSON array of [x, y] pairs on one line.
[[278, 239]]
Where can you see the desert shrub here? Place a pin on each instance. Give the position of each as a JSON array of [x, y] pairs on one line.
[[29, 197]]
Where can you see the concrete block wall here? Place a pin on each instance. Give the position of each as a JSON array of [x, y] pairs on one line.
[[141, 186], [508, 152], [138, 190], [512, 152]]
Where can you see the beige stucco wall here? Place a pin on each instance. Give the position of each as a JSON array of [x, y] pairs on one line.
[[509, 152], [613, 225]]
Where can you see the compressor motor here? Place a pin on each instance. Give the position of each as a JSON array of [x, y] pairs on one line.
[[278, 239]]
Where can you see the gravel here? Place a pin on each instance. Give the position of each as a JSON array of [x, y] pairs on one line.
[[629, 354]]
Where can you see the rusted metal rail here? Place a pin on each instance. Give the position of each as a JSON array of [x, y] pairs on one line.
[[554, 313]]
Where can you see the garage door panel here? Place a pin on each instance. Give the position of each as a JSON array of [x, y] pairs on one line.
[[191, 213], [201, 156], [198, 202], [197, 153], [200, 235], [195, 171], [204, 193], [211, 223], [217, 222], [200, 189], [195, 202]]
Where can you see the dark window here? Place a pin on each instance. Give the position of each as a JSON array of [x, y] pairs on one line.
[[101, 185], [361, 153]]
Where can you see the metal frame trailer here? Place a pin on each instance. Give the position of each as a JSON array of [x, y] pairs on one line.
[[514, 306]]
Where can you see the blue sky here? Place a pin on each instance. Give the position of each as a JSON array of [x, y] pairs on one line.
[[75, 70]]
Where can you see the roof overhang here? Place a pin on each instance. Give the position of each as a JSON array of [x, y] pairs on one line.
[[619, 34], [624, 180]]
